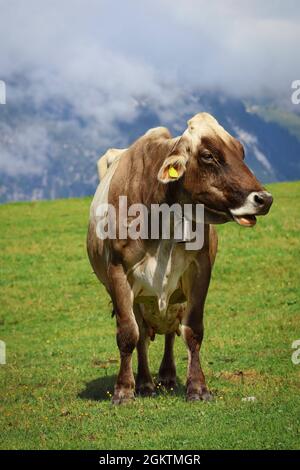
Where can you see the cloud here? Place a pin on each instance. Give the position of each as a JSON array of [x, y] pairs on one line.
[[25, 151], [100, 58], [132, 46]]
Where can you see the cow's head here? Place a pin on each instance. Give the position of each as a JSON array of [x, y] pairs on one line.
[[209, 163]]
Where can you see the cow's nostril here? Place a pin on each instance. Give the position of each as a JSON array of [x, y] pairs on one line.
[[262, 201], [259, 199]]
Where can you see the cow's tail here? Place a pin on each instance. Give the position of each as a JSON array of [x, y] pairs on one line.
[[102, 166], [106, 160]]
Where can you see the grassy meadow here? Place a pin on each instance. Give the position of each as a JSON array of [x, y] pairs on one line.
[[62, 357]]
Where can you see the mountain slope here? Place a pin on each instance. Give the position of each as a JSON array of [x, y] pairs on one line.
[[50, 151]]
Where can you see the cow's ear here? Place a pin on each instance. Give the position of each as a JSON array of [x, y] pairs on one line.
[[172, 169]]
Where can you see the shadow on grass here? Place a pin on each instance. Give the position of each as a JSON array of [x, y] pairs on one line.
[[102, 388], [98, 389]]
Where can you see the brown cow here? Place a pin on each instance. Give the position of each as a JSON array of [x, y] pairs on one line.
[[158, 285]]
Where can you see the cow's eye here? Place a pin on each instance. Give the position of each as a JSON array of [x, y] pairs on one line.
[[207, 157]]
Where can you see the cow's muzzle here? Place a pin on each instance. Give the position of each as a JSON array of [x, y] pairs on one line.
[[256, 203]]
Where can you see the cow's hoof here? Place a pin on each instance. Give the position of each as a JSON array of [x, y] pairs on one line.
[[123, 397], [204, 395], [146, 389], [169, 383]]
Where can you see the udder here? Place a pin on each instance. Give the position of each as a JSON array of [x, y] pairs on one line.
[[161, 322]]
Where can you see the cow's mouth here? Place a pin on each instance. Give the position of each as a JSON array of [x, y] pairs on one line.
[[245, 220], [218, 217]]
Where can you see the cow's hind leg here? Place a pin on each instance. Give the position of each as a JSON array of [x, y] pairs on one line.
[[196, 388], [127, 333], [167, 370], [144, 383]]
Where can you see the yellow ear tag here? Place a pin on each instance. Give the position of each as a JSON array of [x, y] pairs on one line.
[[173, 173]]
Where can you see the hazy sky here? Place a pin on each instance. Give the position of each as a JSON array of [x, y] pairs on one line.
[[101, 56], [133, 46]]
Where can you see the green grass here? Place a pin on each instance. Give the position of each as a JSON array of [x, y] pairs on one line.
[[62, 358]]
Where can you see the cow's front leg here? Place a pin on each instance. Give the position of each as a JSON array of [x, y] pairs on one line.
[[127, 333], [196, 282], [167, 370]]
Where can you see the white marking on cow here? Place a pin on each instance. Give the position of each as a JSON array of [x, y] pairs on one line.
[[204, 124], [249, 207], [157, 277]]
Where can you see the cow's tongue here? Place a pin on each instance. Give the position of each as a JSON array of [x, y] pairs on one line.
[[246, 220]]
